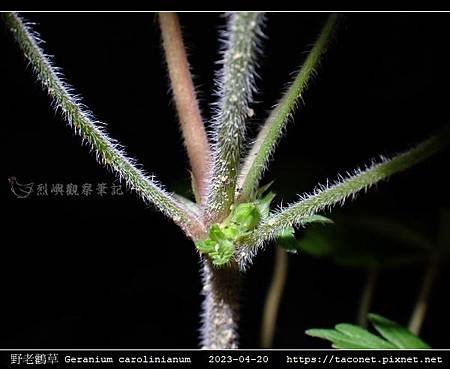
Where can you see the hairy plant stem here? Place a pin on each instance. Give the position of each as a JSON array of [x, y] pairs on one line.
[[420, 308], [191, 122], [108, 152], [367, 296], [327, 196], [256, 160], [273, 298], [235, 89], [220, 314]]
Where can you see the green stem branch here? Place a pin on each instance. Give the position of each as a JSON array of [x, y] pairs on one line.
[[327, 196], [235, 90], [256, 161], [82, 122]]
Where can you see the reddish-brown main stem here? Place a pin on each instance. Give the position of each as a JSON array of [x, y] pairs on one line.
[[191, 122], [220, 313]]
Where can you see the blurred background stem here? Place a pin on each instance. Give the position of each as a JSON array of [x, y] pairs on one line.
[[273, 298], [420, 309], [367, 296]]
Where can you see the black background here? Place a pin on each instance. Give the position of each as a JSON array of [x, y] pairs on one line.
[[112, 273]]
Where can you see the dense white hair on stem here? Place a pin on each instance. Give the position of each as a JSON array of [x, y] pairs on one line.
[[235, 87], [347, 186], [272, 130], [220, 308], [107, 151]]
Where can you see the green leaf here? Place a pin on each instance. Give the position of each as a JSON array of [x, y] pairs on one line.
[[395, 333], [362, 336], [286, 239], [263, 204], [316, 242], [317, 219], [349, 336], [337, 339], [262, 190], [353, 242]]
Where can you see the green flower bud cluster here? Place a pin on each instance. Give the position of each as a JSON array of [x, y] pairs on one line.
[[222, 238], [220, 245]]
